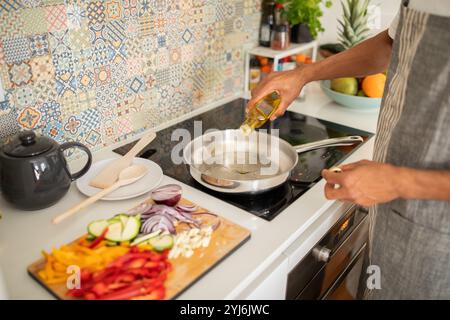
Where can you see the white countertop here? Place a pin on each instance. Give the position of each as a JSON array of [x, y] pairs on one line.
[[24, 234]]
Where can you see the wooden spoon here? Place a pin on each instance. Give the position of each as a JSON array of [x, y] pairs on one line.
[[110, 173], [126, 176]]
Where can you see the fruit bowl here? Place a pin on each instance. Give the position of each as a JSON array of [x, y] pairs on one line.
[[349, 101]]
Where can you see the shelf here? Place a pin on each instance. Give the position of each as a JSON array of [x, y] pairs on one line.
[[293, 49]]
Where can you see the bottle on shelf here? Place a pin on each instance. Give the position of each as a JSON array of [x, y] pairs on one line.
[[255, 73], [267, 22], [280, 37], [261, 112]]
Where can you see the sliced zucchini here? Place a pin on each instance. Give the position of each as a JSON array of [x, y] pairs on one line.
[[131, 229], [90, 237], [96, 228], [161, 243], [145, 238], [115, 232]]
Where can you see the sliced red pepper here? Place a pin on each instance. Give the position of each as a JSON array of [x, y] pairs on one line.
[[76, 292], [156, 294], [99, 238], [137, 263], [126, 293], [100, 289]]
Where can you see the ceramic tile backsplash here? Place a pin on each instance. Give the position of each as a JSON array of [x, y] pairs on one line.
[[99, 71]]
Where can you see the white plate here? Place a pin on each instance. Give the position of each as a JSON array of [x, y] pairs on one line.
[[150, 181]]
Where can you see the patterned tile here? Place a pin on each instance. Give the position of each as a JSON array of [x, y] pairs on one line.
[[39, 45], [146, 26], [50, 111], [44, 90], [12, 24], [130, 9], [137, 84], [102, 75], [72, 124], [59, 41], [54, 130], [29, 118], [20, 74], [101, 55], [42, 68], [10, 5], [24, 96], [16, 49], [85, 80], [76, 16], [66, 84], [115, 31], [90, 119], [113, 10], [56, 18], [63, 63], [96, 34], [106, 98], [96, 12], [144, 8], [93, 138], [8, 124]]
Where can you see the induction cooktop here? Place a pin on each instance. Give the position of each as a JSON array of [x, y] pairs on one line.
[[293, 127]]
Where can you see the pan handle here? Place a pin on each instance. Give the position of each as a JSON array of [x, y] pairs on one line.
[[333, 142]]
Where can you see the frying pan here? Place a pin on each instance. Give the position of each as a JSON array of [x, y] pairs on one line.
[[226, 161]]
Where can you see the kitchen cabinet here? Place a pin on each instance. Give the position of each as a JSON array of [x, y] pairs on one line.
[[271, 284]]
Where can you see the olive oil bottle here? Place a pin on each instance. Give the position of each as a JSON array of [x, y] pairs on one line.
[[261, 112]]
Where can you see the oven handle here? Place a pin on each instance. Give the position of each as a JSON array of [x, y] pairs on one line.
[[321, 254]]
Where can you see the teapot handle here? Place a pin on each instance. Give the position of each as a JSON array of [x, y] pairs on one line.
[[73, 144]]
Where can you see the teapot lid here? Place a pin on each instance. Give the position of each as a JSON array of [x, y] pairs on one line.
[[27, 144]]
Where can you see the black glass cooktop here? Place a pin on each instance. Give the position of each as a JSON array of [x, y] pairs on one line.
[[293, 127]]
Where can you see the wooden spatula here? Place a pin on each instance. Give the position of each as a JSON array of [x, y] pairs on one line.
[[110, 173], [126, 176]]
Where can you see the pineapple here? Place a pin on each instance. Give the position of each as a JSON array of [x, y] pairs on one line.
[[353, 26]]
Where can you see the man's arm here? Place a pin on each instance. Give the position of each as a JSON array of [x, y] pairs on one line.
[[369, 57], [424, 184], [369, 182]]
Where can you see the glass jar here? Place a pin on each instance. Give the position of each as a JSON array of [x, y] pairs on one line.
[[280, 37]]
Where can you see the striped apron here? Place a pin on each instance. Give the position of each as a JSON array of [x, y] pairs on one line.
[[410, 239]]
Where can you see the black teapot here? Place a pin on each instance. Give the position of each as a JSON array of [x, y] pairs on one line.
[[33, 170]]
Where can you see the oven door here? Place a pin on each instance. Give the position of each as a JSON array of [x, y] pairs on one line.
[[347, 286], [332, 269]]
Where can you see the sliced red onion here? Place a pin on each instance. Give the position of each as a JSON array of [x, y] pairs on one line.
[[215, 225], [157, 222], [169, 194], [186, 207], [143, 207]]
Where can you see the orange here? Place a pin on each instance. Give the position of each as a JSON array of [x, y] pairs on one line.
[[300, 58], [267, 68], [373, 85], [264, 61]]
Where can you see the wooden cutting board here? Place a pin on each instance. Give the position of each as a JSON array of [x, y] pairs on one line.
[[186, 271]]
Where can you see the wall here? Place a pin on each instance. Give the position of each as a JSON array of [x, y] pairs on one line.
[[99, 71], [387, 10]]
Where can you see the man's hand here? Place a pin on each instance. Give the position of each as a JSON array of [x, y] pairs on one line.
[[287, 83], [364, 182]]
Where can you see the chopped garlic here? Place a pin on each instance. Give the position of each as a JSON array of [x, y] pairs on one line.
[[185, 242]]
